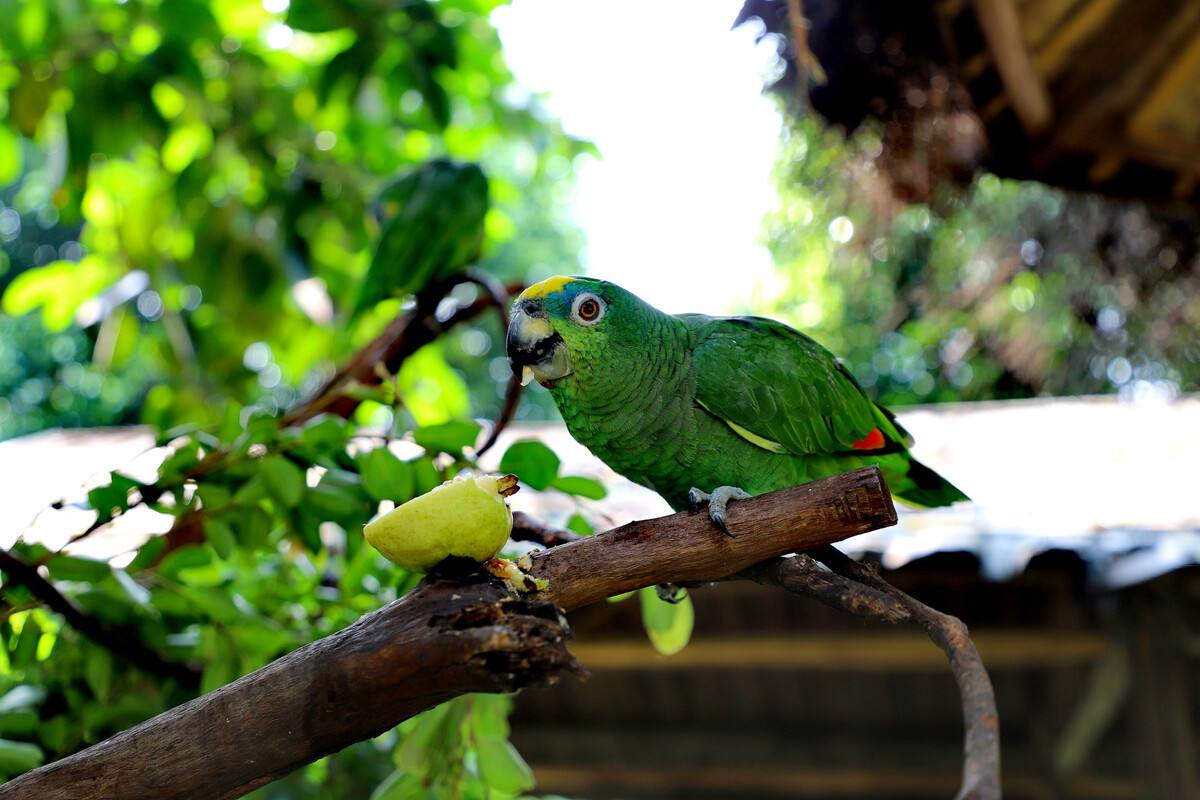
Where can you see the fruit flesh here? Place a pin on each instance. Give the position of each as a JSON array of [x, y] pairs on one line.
[[465, 517]]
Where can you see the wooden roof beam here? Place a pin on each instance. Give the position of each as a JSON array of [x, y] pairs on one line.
[[1002, 29]]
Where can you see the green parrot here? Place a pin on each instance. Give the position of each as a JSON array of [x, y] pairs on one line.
[[705, 409]]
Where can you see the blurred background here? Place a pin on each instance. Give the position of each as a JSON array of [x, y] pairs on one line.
[[990, 209]]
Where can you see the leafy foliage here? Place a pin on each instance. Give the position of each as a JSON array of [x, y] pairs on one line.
[[204, 207], [432, 224], [1007, 290], [202, 187]]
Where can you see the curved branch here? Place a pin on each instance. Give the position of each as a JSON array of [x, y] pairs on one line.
[[453, 634], [981, 743]]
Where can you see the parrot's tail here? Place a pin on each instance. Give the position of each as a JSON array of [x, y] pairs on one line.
[[925, 488]]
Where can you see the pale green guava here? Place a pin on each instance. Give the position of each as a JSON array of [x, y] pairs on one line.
[[465, 517]]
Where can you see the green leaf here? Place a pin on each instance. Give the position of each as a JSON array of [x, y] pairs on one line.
[[579, 524], [112, 499], [448, 437], [426, 477], [98, 672], [502, 767], [432, 390], [147, 554], [74, 568], [318, 16], [668, 625], [339, 497], [220, 536], [185, 558], [430, 730], [185, 144], [11, 160], [186, 455], [433, 224], [401, 785], [384, 476], [219, 670], [531, 461], [18, 723], [214, 601], [253, 527], [284, 481], [55, 732], [58, 288], [489, 716], [25, 652], [578, 485], [326, 435], [18, 757]]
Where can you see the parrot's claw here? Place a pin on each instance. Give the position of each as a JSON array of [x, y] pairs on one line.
[[670, 593], [717, 501]]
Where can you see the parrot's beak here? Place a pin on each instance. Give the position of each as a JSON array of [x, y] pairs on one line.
[[535, 349]]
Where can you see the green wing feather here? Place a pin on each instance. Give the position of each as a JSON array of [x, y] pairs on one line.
[[779, 385]]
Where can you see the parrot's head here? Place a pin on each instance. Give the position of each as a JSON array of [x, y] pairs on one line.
[[579, 328]]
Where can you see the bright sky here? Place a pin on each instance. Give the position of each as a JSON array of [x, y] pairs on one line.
[[673, 100]]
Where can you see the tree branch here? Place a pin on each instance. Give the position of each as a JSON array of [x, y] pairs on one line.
[[981, 743], [452, 635], [121, 642], [402, 337], [528, 529]]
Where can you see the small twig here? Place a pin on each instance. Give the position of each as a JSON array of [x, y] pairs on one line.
[[512, 397], [981, 744], [119, 641], [512, 394], [528, 529], [801, 574]]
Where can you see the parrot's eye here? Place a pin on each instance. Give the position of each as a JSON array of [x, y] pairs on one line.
[[588, 309]]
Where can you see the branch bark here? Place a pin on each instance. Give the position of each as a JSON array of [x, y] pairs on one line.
[[450, 636]]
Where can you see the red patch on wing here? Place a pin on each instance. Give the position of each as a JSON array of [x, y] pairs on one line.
[[872, 441]]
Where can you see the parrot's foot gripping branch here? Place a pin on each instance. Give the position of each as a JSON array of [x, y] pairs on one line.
[[717, 501]]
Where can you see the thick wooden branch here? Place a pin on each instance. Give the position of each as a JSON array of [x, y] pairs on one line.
[[688, 548], [450, 636]]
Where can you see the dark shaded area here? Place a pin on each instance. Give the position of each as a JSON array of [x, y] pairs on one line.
[[809, 703]]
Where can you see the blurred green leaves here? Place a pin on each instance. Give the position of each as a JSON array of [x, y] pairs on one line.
[[432, 225], [263, 172], [386, 477], [58, 289], [1006, 289], [204, 207], [11, 158]]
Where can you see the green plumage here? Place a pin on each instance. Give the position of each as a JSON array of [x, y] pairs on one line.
[[675, 402]]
